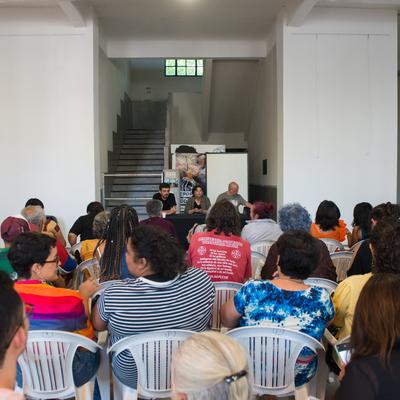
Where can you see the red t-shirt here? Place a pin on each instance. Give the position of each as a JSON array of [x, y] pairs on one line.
[[224, 258]]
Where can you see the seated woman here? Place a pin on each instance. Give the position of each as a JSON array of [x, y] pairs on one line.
[[361, 223], [89, 248], [164, 294], [220, 251], [123, 220], [34, 258], [374, 369], [199, 203], [212, 366], [286, 301], [295, 216], [261, 227], [328, 224]]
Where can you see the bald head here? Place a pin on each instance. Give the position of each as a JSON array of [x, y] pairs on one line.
[[233, 188]]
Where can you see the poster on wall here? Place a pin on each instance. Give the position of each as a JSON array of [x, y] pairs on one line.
[[171, 176]]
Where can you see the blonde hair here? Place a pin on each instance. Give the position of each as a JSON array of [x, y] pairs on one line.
[[201, 364]]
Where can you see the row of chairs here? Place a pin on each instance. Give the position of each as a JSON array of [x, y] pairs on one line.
[[272, 352]]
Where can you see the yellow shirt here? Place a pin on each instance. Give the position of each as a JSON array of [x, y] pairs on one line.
[[87, 249], [345, 300]]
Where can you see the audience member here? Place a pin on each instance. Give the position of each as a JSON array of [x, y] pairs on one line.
[[220, 251], [385, 246], [11, 227], [328, 224], [233, 196], [212, 366], [261, 227], [362, 262], [154, 208], [164, 294], [13, 335], [34, 257], [166, 198], [374, 370], [123, 220], [294, 216], [89, 248], [361, 223], [50, 226], [198, 203], [286, 301], [83, 226]]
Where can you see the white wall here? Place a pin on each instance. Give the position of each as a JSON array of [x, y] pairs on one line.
[[340, 108], [186, 123], [46, 113], [263, 129], [149, 83]]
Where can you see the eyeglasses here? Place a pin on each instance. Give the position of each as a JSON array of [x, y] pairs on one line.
[[56, 260]]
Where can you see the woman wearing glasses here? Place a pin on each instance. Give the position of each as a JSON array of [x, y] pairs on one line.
[[34, 258]]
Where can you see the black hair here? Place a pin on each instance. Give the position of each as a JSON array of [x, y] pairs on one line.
[[161, 251], [34, 202], [94, 208], [195, 187], [328, 215], [123, 220], [27, 249], [185, 149], [223, 217], [11, 313], [164, 185], [361, 216], [299, 254], [385, 210]]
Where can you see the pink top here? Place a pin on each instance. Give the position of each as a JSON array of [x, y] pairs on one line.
[[224, 258], [7, 394]]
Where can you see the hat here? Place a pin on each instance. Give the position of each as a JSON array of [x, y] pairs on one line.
[[11, 227]]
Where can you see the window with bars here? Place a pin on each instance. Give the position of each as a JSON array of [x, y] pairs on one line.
[[183, 67]]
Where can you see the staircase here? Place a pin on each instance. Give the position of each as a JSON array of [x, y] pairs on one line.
[[136, 166]]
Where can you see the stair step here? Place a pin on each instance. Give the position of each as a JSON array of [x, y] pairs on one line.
[[134, 193], [138, 187], [153, 180], [143, 141], [139, 168], [129, 152], [132, 130], [142, 146], [154, 163], [144, 134], [143, 157]]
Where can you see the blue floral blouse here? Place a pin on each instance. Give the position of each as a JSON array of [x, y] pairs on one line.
[[307, 311]]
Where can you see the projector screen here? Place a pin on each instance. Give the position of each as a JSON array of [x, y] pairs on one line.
[[223, 168]]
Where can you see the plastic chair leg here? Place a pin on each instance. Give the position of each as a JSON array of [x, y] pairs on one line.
[[103, 374], [85, 392]]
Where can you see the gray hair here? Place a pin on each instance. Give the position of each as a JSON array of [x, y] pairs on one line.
[[294, 216], [100, 223], [154, 207], [34, 215]]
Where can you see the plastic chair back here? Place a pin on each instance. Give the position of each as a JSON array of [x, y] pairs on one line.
[[330, 286], [262, 247], [152, 352], [257, 264], [332, 245], [86, 269], [272, 354], [342, 261], [46, 363], [356, 246], [223, 292]]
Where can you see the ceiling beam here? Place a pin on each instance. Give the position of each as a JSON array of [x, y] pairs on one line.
[[299, 12], [73, 13]]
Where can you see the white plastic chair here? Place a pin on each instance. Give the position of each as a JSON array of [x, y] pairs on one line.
[[332, 245], [257, 264], [327, 284], [223, 292], [342, 261], [88, 268], [272, 354], [262, 247], [75, 247], [46, 365], [152, 352]]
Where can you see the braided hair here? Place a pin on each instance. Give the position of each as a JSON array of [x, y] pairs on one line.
[[123, 220]]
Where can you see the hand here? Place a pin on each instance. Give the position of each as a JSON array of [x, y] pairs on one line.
[[88, 288]]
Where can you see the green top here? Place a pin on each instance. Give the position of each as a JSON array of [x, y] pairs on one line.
[[5, 265]]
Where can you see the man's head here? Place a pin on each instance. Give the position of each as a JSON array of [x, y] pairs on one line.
[[13, 322], [164, 189], [35, 216], [154, 208], [94, 208], [233, 188], [11, 227], [34, 202]]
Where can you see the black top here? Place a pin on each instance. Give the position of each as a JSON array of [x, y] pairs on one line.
[[363, 260], [367, 379], [83, 226], [168, 203]]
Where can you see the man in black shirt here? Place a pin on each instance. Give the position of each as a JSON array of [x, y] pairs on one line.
[[83, 226], [167, 198]]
